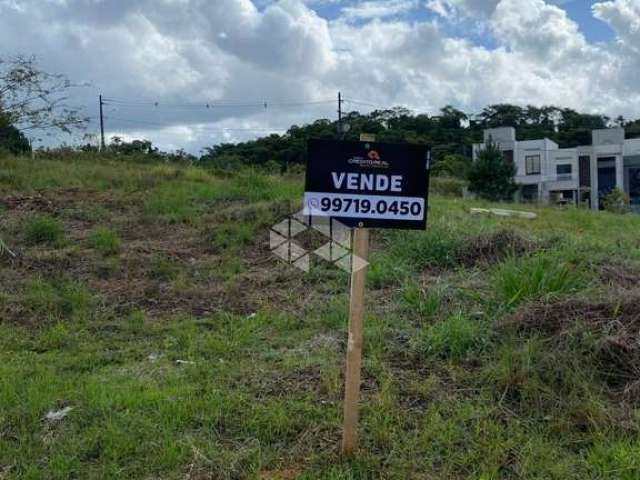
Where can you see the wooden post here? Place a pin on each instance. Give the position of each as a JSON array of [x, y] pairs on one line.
[[354, 345]]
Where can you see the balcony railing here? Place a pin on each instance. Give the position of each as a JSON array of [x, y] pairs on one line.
[[564, 177]]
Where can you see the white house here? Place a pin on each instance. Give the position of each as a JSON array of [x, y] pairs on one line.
[[548, 173]]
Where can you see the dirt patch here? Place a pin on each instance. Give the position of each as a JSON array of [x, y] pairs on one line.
[[27, 203], [615, 324], [56, 200], [164, 270], [491, 248], [620, 276]]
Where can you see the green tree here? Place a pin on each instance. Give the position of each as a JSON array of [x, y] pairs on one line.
[[12, 139], [452, 166], [491, 176]]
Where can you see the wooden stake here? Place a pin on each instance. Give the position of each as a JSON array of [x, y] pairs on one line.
[[354, 346]]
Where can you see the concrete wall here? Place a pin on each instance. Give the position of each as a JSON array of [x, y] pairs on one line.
[[608, 136], [631, 147], [504, 135]]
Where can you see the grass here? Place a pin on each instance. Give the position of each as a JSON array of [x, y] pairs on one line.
[[453, 337], [535, 278], [105, 241], [151, 305], [44, 229]]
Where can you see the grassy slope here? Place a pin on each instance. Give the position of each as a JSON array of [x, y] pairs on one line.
[[124, 269]]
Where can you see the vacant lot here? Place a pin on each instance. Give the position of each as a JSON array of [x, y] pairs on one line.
[[142, 301]]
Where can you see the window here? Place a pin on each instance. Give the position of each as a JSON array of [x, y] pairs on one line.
[[508, 156], [564, 170], [585, 171], [532, 164]]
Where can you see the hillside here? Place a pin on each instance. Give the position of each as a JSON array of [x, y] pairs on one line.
[[144, 300]]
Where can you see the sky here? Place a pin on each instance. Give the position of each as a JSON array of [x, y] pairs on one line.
[[194, 73]]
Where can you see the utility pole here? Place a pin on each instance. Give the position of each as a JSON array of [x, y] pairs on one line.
[[102, 146], [340, 129]]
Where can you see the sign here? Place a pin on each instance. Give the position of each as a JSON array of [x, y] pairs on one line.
[[368, 184]]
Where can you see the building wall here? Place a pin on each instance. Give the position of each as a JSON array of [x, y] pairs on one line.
[[607, 143], [608, 136]]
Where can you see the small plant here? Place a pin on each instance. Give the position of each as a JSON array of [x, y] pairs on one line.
[[163, 268], [617, 201], [453, 337], [135, 321], [55, 337], [105, 240], [44, 229], [424, 303], [232, 235], [518, 280]]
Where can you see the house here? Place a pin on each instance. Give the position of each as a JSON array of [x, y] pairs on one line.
[[585, 174]]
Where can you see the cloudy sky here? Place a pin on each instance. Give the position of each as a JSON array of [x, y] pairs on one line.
[[192, 73]]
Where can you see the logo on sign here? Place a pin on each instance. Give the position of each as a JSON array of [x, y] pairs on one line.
[[336, 250]]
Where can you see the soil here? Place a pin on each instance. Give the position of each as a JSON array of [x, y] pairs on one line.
[[491, 248], [127, 281], [615, 325]]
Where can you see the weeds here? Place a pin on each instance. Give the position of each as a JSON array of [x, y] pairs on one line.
[[44, 229], [533, 278], [454, 337], [454, 385], [105, 241]]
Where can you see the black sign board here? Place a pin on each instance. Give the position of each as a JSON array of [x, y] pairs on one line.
[[368, 184]]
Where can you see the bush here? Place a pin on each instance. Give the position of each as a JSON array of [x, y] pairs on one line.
[[447, 186], [105, 240], [44, 229], [452, 166], [617, 201]]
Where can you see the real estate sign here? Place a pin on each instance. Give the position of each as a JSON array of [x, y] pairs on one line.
[[368, 184]]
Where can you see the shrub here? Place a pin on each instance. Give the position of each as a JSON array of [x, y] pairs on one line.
[[617, 201], [44, 229], [447, 186], [105, 240], [452, 166]]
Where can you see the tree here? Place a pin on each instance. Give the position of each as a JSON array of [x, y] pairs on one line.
[[452, 166], [491, 176], [12, 139], [32, 99]]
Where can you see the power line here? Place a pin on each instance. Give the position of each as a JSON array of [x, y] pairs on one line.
[[366, 104], [265, 104], [230, 129]]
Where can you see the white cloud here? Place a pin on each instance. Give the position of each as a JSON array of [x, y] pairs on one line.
[[624, 17], [198, 51], [378, 9], [542, 32]]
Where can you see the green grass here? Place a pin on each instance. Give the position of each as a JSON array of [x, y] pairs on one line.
[[44, 229], [454, 337], [151, 305], [105, 241], [535, 278]]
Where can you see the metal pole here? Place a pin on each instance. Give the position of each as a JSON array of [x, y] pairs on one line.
[[102, 146]]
